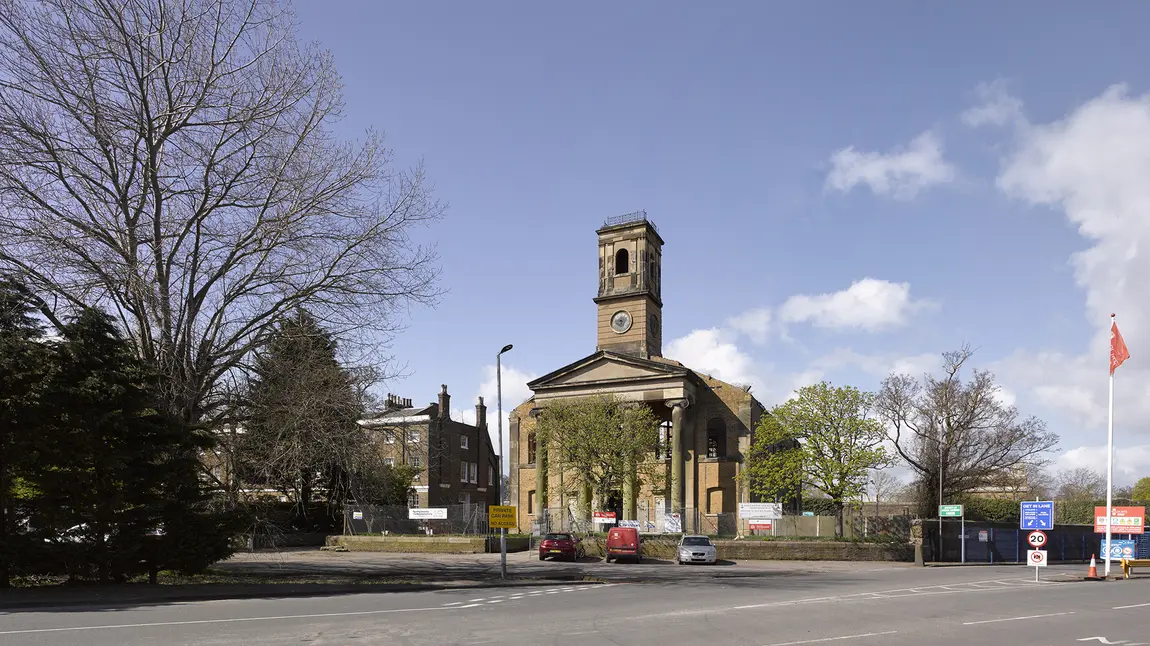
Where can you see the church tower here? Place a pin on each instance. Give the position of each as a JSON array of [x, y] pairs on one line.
[[630, 308]]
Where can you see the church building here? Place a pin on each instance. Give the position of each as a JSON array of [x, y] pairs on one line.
[[706, 424]]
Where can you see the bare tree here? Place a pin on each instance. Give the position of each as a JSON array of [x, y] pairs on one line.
[[173, 161], [884, 485], [959, 433], [1082, 484]]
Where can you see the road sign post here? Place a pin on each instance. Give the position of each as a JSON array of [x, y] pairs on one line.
[[1037, 558], [503, 518], [953, 511]]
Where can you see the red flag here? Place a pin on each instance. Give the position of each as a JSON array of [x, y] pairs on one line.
[[1118, 351]]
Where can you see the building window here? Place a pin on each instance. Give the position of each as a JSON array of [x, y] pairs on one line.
[[531, 501], [622, 262], [413, 436], [531, 447], [389, 462], [716, 438], [413, 499], [463, 441], [463, 472], [663, 444], [473, 469], [415, 461], [389, 437], [490, 476]]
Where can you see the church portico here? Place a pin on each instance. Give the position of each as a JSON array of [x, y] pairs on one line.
[[705, 424]]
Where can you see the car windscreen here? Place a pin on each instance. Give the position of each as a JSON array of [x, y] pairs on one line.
[[696, 541], [557, 537]]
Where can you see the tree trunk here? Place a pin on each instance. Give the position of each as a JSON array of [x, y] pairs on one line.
[[838, 518], [5, 549]]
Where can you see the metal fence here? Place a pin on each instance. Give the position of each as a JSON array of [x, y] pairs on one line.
[[649, 519], [984, 542], [465, 520]]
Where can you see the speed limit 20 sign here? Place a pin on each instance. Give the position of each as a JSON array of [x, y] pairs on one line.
[[1036, 539]]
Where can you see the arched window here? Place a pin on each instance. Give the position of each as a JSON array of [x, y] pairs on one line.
[[622, 262], [716, 438], [531, 447]]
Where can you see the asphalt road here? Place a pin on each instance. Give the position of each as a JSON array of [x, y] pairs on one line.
[[772, 604]]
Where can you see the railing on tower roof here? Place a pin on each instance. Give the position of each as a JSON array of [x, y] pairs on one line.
[[628, 218]]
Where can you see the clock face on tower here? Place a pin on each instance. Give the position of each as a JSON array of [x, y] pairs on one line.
[[621, 321]]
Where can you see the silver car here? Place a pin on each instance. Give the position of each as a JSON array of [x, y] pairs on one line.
[[696, 549]]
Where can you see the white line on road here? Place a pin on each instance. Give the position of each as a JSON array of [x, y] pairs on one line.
[[991, 621], [886, 594], [1137, 605], [831, 639], [225, 621]]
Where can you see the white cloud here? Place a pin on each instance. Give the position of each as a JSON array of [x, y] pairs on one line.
[[997, 107], [1092, 167], [869, 304], [901, 173], [1130, 464], [712, 351], [515, 392], [755, 324]]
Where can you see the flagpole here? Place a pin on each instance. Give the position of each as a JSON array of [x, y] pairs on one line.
[[1109, 457]]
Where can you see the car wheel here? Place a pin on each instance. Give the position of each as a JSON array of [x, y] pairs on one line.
[[541, 557]]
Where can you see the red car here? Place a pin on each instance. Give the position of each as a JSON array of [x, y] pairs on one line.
[[561, 545]]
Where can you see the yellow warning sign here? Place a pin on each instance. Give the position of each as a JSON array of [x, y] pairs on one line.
[[501, 517]]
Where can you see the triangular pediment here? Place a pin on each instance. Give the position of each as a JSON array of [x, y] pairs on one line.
[[607, 367]]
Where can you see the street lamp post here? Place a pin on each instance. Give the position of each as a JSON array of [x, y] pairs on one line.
[[499, 410]]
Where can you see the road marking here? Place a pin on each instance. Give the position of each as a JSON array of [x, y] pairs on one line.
[[1137, 605], [496, 601], [453, 603], [991, 621], [233, 620], [585, 632], [970, 586], [477, 600], [831, 639]]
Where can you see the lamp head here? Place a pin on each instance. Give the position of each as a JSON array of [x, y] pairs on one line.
[[506, 348]]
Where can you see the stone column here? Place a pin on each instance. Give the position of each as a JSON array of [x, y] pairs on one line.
[[629, 493], [677, 410]]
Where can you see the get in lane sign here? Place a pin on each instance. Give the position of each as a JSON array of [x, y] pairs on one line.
[[1037, 514]]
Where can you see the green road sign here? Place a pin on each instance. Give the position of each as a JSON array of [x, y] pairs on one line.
[[950, 511]]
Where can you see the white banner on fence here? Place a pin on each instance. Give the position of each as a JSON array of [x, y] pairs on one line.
[[427, 513], [760, 510], [672, 523], [629, 523]]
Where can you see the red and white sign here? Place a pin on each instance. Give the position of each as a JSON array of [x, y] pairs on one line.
[[1037, 558], [1123, 520], [604, 517], [1036, 538], [762, 526]]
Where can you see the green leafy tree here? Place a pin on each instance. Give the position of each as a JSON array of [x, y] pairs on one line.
[[115, 487], [825, 438], [1141, 490], [604, 440], [23, 370]]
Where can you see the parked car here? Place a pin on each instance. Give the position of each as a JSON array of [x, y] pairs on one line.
[[624, 542], [560, 545], [696, 549]]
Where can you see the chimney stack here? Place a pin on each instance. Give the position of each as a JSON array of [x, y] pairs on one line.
[[480, 414], [444, 403]]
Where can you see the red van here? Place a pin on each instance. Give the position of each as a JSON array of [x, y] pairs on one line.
[[624, 542]]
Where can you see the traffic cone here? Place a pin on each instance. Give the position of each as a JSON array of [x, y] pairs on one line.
[[1093, 573]]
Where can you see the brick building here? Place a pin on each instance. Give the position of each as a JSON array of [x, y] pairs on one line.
[[706, 424], [457, 462]]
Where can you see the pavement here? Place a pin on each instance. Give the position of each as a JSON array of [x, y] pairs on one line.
[[766, 603]]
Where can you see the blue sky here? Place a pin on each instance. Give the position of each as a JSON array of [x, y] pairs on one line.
[[843, 189]]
